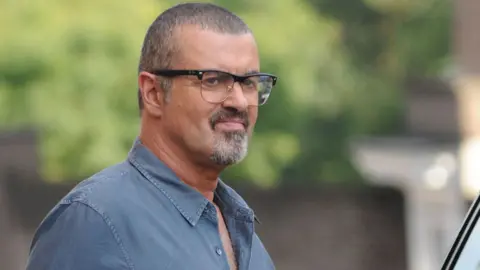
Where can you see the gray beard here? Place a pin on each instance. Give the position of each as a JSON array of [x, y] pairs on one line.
[[229, 148]]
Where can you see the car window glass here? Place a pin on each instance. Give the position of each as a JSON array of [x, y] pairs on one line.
[[470, 257]]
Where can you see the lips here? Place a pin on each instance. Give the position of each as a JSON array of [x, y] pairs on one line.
[[237, 121], [231, 124], [229, 120]]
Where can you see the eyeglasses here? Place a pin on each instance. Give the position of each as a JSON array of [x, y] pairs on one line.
[[217, 85]]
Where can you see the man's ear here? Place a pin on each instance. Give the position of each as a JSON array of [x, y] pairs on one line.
[[152, 97]]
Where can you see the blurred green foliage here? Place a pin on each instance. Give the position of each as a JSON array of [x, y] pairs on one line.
[[68, 68]]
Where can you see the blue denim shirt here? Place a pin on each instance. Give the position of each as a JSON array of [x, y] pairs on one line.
[[138, 215]]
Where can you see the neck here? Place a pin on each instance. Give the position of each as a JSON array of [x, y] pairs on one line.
[[203, 179]]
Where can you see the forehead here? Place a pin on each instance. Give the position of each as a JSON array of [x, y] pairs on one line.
[[205, 49]]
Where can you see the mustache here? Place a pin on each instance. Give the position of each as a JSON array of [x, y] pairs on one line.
[[224, 115]]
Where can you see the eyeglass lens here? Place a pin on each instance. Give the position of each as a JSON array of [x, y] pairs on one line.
[[216, 87]]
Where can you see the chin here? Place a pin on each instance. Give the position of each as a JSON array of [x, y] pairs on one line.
[[229, 148], [227, 159]]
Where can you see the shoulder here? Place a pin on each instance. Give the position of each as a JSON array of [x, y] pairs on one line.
[[85, 216], [106, 189], [96, 195], [107, 179], [123, 197], [104, 211], [77, 236], [101, 195]]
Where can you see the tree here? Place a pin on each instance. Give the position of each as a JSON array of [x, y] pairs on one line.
[[69, 69]]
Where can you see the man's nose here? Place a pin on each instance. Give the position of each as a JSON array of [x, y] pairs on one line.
[[236, 98]]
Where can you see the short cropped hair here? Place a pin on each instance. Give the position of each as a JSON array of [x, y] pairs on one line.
[[159, 46]]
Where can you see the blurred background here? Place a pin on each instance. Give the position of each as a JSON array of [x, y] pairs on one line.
[[366, 156]]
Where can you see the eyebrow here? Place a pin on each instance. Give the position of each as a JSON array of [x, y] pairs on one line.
[[250, 72]]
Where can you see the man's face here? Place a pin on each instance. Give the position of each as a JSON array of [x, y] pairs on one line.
[[215, 132]]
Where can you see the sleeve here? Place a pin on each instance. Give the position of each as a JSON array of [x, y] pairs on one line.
[[76, 237]]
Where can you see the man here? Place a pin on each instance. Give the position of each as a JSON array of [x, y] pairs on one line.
[[165, 207]]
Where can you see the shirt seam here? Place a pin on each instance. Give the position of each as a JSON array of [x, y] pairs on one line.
[[110, 225]]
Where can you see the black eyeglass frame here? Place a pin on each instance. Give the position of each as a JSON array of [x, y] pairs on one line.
[[199, 73]]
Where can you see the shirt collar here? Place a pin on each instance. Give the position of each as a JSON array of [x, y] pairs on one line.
[[189, 202]]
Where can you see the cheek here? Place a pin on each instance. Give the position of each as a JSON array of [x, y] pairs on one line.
[[199, 118], [189, 107], [183, 120]]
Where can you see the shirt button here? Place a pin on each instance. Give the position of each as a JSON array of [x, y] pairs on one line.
[[218, 251]]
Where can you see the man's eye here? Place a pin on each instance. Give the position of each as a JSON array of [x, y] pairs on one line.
[[250, 83], [211, 81]]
